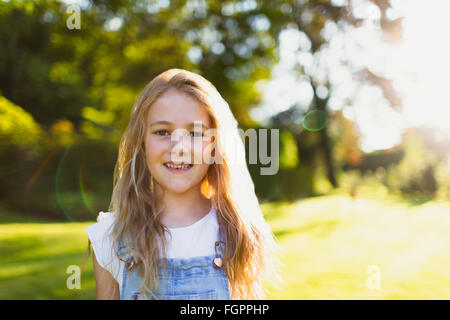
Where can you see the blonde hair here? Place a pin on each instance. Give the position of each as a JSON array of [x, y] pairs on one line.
[[250, 254]]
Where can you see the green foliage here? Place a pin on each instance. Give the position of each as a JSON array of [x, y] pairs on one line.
[[17, 126], [82, 177], [40, 71], [80, 84], [286, 185], [293, 179], [288, 152], [414, 175], [345, 137], [91, 128], [442, 172]]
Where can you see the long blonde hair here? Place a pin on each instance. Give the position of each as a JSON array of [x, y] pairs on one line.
[[251, 253]]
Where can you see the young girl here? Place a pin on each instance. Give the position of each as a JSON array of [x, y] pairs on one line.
[[184, 221]]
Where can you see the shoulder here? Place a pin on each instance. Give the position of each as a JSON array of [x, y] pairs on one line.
[[101, 239], [102, 227]]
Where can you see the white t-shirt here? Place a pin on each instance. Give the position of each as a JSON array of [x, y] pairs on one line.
[[196, 239]]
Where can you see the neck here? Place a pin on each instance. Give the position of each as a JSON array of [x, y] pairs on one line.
[[181, 209]]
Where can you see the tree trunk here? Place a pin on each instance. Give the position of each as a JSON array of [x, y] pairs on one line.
[[321, 104]]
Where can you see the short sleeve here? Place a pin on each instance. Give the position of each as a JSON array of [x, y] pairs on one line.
[[102, 243]]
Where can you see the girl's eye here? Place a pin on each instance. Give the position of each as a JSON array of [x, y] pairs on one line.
[[165, 133], [159, 131], [197, 134]]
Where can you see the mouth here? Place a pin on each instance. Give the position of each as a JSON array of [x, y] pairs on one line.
[[181, 167]]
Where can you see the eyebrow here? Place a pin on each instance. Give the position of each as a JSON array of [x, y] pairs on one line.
[[190, 125]]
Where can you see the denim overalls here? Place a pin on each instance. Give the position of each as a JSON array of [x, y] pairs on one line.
[[195, 278]]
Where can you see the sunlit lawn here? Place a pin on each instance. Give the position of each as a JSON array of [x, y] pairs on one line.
[[35, 258], [333, 246], [329, 243]]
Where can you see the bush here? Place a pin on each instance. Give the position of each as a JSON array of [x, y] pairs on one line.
[[414, 176], [63, 182], [17, 127], [442, 172]]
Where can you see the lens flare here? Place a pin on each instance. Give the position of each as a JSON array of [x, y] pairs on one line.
[[58, 195], [83, 193], [38, 171], [315, 120]]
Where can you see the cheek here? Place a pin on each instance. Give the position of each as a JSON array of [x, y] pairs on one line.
[[154, 151]]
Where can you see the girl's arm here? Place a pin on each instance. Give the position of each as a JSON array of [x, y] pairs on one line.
[[106, 286]]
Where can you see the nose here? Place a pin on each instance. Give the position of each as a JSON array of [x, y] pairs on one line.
[[181, 149]]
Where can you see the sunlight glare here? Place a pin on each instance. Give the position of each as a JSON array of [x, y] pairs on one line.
[[424, 53]]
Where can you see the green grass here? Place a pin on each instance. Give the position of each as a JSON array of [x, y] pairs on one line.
[[35, 257], [329, 242]]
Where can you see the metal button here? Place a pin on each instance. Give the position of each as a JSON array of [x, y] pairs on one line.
[[217, 263]]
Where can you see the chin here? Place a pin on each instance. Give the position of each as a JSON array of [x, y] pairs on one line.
[[179, 189]]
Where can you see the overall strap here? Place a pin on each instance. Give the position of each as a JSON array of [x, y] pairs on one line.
[[219, 248], [221, 242], [222, 236]]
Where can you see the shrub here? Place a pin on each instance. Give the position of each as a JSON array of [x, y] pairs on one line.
[[414, 175]]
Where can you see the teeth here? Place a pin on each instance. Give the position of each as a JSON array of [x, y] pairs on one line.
[[177, 167]]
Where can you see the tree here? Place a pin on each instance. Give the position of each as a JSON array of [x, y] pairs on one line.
[[318, 22], [92, 76]]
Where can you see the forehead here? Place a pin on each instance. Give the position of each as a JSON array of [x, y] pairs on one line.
[[177, 107]]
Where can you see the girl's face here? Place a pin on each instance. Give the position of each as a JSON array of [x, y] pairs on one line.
[[166, 143]]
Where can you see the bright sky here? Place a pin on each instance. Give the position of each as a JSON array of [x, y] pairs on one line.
[[426, 52], [419, 66]]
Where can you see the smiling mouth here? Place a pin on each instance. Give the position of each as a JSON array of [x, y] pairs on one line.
[[177, 167]]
